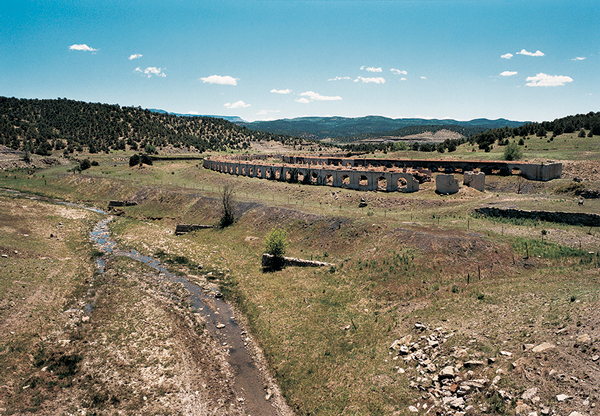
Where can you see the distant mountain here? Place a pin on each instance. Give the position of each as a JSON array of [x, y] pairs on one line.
[[337, 127], [232, 119]]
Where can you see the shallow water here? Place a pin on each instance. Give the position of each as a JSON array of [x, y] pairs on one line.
[[247, 381]]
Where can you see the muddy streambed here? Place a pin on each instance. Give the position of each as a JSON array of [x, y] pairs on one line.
[[219, 322]]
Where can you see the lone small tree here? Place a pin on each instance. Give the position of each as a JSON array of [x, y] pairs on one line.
[[512, 152], [275, 245], [228, 206]]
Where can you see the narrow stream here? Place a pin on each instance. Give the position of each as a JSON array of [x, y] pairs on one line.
[[247, 382]]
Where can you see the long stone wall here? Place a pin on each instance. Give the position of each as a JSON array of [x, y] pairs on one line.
[[573, 218], [318, 175]]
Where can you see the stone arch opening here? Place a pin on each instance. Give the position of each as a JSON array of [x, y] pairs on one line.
[[363, 181], [402, 185], [345, 180], [329, 179], [382, 183], [314, 178], [251, 171], [278, 175], [268, 173], [515, 171]]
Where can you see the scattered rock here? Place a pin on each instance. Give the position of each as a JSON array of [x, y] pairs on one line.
[[596, 358], [518, 363], [583, 338], [413, 409], [543, 347], [527, 347], [522, 410], [473, 363], [220, 326], [529, 394], [420, 326], [447, 372], [562, 397]]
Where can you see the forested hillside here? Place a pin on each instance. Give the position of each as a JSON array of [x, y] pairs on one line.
[[412, 130], [352, 129], [581, 123], [40, 126]]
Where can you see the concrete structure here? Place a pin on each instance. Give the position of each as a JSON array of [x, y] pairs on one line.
[[543, 171], [376, 174], [474, 180], [446, 184], [359, 179]]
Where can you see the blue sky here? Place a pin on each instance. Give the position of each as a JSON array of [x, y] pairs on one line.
[[463, 59]]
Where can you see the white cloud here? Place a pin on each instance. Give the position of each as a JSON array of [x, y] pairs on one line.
[[423, 77], [317, 97], [287, 91], [536, 53], [193, 113], [338, 78], [544, 80], [372, 69], [402, 79], [507, 56], [265, 112], [508, 73], [135, 56], [375, 80], [218, 79], [83, 47], [151, 70], [398, 72], [303, 100], [238, 104], [579, 58]]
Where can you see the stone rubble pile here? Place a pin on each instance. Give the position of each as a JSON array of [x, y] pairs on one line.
[[456, 380]]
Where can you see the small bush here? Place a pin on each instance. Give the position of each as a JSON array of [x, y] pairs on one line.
[[512, 152], [455, 289], [134, 160], [276, 245], [227, 207], [85, 164]]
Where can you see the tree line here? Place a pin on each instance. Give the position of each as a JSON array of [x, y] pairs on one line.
[[41, 126], [585, 124]]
